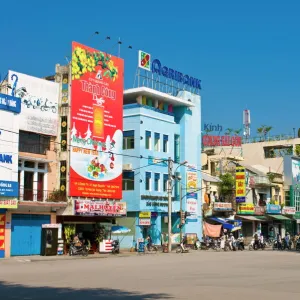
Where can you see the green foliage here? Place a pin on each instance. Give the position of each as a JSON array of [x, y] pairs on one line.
[[297, 150], [227, 184]]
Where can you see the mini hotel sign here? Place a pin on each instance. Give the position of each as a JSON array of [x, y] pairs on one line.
[[225, 140]]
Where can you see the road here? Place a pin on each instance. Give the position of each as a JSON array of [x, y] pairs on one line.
[[197, 275]]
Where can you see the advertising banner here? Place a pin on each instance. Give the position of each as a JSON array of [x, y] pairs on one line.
[[96, 124], [296, 171], [191, 179], [9, 204], [192, 204], [9, 147], [100, 208], [221, 206], [2, 235], [10, 103], [259, 210], [273, 209], [240, 185], [39, 101], [245, 209], [289, 210]]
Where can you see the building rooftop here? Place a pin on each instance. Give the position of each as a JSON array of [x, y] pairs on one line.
[[145, 91]]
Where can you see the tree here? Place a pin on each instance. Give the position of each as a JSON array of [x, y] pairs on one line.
[[237, 131], [226, 186], [228, 131], [263, 131]]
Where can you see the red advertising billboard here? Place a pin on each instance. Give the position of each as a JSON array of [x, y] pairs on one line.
[[96, 124]]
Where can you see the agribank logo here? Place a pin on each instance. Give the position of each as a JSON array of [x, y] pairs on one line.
[[156, 67], [144, 60]]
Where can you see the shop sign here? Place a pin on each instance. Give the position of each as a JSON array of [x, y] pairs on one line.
[[100, 208], [2, 233], [161, 162], [156, 67], [145, 222], [96, 124], [51, 225], [245, 209], [289, 210], [145, 214], [10, 103], [39, 101], [259, 210], [240, 185], [221, 206], [273, 209], [9, 204], [225, 140], [252, 182]]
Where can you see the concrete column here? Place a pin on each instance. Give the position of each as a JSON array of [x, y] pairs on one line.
[[35, 181], [7, 235]]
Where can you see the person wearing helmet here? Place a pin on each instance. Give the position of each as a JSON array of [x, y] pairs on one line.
[[231, 240], [241, 241]]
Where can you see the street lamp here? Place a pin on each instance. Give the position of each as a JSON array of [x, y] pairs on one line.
[[171, 176]]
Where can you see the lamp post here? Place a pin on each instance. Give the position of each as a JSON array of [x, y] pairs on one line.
[[171, 177]]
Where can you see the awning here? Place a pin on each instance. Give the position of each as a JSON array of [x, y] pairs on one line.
[[209, 178], [253, 218], [280, 217], [226, 225]]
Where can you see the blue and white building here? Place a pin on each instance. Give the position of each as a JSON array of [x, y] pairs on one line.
[[158, 125]]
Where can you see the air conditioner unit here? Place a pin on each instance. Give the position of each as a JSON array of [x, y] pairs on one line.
[[127, 167]]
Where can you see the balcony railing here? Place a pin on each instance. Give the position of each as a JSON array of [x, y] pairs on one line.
[[262, 180], [42, 195]]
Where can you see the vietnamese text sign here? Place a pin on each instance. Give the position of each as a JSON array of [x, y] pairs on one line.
[[96, 124], [9, 147], [259, 210], [226, 140], [240, 185], [144, 222], [39, 101], [273, 209], [9, 204], [222, 206], [145, 214], [2, 233], [289, 210], [10, 103], [100, 208], [245, 209], [191, 179], [191, 205]]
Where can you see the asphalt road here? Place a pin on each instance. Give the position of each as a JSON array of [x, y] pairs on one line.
[[197, 275]]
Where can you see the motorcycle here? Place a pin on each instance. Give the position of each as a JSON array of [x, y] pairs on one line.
[[286, 245], [259, 245], [238, 245], [181, 248], [298, 245], [78, 250], [197, 245], [116, 247]]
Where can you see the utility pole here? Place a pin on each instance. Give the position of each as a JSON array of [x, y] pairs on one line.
[[181, 224], [170, 169]]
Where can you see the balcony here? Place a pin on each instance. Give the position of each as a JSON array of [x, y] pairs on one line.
[[42, 195], [261, 181]]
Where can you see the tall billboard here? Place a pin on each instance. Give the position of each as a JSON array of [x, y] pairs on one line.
[[39, 98], [9, 146], [240, 185], [96, 124]]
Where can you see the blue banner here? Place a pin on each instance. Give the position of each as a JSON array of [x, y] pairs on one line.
[[9, 188], [273, 209], [10, 103]]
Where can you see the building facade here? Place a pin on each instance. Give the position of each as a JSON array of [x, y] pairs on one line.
[[158, 126]]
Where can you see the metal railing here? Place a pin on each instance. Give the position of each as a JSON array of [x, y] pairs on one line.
[[273, 138], [42, 195]]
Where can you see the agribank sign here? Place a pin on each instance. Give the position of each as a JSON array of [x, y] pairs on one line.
[[157, 67]]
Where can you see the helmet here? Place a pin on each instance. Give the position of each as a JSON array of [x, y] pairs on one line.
[[241, 235], [231, 234]]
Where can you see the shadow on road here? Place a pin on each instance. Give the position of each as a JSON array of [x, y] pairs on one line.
[[18, 292]]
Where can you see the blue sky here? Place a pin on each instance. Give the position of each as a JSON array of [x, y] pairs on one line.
[[246, 54]]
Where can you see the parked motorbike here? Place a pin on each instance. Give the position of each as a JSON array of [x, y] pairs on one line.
[[259, 245], [116, 247], [298, 245], [238, 245], [78, 250], [181, 248], [197, 245]]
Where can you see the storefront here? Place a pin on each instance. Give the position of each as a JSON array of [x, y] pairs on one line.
[[93, 222]]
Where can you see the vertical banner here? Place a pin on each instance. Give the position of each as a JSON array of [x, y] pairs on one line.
[[240, 185], [191, 182], [96, 124], [2, 235]]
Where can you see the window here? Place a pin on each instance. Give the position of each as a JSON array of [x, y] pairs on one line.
[[41, 166], [128, 140], [165, 187], [148, 140], [156, 141], [156, 182], [287, 198], [297, 200], [33, 142], [29, 164], [128, 181], [165, 143], [148, 181]]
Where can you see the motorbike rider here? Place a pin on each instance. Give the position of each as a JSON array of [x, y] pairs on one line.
[[279, 241], [149, 240], [241, 241], [256, 239], [261, 239], [231, 240], [287, 240]]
